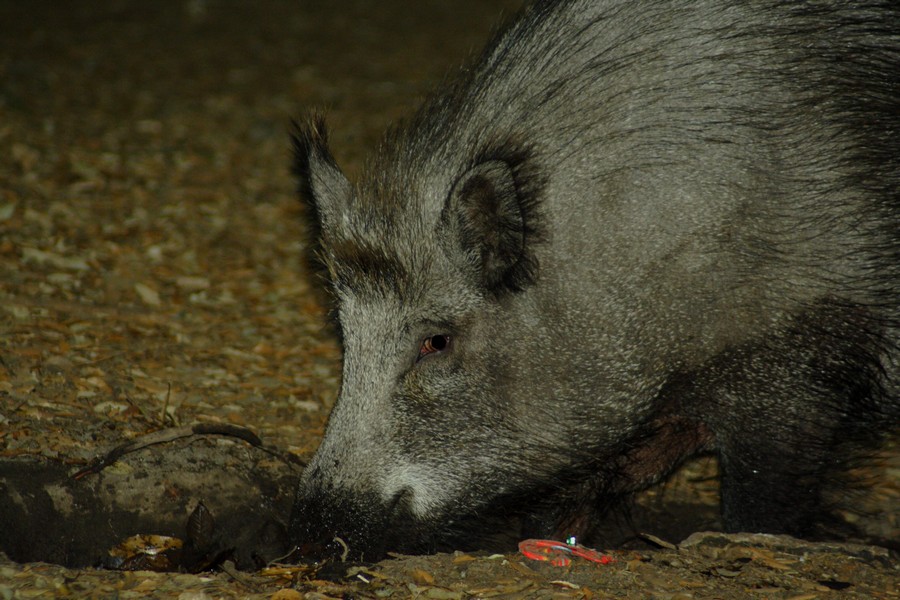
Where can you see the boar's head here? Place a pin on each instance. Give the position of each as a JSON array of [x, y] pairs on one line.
[[445, 416], [422, 433]]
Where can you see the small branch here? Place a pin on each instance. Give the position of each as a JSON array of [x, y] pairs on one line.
[[173, 433], [229, 568]]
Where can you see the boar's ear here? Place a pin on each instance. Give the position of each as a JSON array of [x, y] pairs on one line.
[[493, 210], [320, 182]]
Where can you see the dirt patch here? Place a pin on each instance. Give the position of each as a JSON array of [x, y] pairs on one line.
[[54, 513]]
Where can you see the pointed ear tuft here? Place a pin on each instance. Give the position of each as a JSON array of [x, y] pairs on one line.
[[493, 209], [320, 182]]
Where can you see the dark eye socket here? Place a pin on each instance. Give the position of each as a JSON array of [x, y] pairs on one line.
[[434, 344]]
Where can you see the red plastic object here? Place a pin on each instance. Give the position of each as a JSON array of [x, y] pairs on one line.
[[559, 553]]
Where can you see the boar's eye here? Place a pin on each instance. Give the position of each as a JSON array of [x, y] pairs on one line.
[[434, 344]]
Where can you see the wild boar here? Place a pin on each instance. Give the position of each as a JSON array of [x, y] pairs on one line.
[[633, 231]]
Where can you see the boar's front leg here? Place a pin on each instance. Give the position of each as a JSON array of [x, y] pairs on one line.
[[656, 451], [787, 414]]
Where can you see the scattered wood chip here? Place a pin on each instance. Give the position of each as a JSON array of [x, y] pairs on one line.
[[147, 294], [287, 594], [659, 542], [422, 577]]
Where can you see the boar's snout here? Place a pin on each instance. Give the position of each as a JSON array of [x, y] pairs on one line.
[[334, 523]]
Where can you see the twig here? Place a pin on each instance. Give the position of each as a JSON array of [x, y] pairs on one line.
[[165, 413], [228, 567], [657, 541], [169, 435], [346, 548], [95, 361]]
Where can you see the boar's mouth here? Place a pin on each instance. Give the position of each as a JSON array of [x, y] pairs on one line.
[[357, 526], [362, 527], [329, 524]]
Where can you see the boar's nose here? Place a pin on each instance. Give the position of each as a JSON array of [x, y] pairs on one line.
[[330, 523], [320, 537]]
